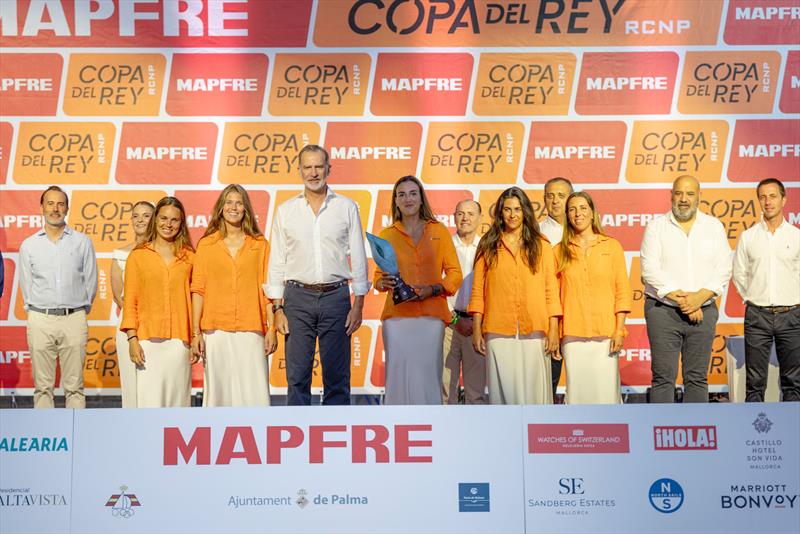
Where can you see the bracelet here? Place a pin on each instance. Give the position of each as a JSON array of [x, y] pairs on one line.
[[133, 337]]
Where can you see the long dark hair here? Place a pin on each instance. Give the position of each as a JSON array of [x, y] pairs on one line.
[[425, 211], [182, 240], [249, 222], [565, 254], [531, 236]]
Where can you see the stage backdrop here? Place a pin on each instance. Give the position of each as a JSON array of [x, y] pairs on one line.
[[119, 101]]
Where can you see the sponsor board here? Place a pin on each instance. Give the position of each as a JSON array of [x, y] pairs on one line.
[[106, 23], [764, 149], [472, 152], [762, 22], [729, 82], [522, 23], [373, 152], [21, 216], [319, 84], [626, 83], [582, 152], [64, 152], [217, 84], [421, 84], [264, 152], [661, 151], [114, 84], [29, 84], [524, 84], [790, 94], [6, 135], [155, 152]]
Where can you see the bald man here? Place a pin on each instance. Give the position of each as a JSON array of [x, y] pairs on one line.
[[686, 264]]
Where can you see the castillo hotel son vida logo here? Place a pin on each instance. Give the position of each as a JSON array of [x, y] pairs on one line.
[[765, 452]]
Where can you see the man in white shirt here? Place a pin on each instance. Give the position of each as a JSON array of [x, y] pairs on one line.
[[556, 192], [766, 271], [460, 357], [686, 265], [317, 248]]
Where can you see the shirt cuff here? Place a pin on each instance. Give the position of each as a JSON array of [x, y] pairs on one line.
[[361, 288], [274, 292]]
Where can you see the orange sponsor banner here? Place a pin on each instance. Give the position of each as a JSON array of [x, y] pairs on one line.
[[472, 152], [359, 357], [377, 375], [199, 206], [582, 152], [217, 84], [29, 84], [6, 136], [661, 151], [319, 84], [632, 83], [790, 94], [64, 152], [637, 286], [9, 269], [734, 306], [105, 216], [762, 22], [625, 213], [443, 203], [171, 152], [478, 23], [15, 361], [264, 152], [765, 149], [729, 82], [361, 197], [524, 84], [114, 84], [101, 368], [373, 152], [421, 84], [488, 200], [20, 217], [171, 24]]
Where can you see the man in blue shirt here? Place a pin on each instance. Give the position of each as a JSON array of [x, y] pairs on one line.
[[58, 279]]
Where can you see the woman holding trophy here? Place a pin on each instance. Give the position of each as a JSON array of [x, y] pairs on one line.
[[414, 321]]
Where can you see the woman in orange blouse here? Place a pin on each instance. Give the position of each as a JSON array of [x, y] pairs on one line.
[[514, 304], [596, 297], [232, 321], [156, 311], [413, 331]]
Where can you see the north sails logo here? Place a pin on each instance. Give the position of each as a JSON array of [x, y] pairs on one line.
[[762, 424], [122, 503]]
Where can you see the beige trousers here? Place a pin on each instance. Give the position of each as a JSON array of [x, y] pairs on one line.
[[460, 358], [518, 370], [592, 373], [165, 379], [236, 371], [61, 338]]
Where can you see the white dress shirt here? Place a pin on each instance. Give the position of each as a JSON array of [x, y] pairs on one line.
[[766, 266], [317, 249], [672, 260], [552, 230], [466, 259], [58, 275]]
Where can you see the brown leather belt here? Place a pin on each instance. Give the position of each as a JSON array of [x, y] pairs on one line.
[[775, 309], [319, 288]]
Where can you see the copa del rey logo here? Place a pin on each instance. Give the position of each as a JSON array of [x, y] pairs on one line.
[[685, 438]]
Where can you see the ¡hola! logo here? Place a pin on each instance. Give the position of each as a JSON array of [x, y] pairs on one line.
[[685, 438]]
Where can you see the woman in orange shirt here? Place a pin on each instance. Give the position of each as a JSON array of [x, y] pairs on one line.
[[514, 304], [413, 331], [156, 311], [596, 297], [232, 321]]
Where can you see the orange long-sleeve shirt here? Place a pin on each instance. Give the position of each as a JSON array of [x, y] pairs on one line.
[[594, 288], [512, 299], [157, 302], [232, 288], [423, 264]]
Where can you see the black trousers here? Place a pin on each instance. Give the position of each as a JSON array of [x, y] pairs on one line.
[[316, 315], [761, 328]]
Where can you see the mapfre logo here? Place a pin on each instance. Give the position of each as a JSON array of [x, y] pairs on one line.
[[264, 152], [472, 152], [64, 152], [582, 152], [29, 84], [626, 83], [762, 22], [663, 151], [685, 438], [524, 84], [217, 84], [421, 84], [790, 94], [114, 84], [578, 438], [765, 148], [729, 82], [151, 151], [319, 84], [21, 216], [373, 152]]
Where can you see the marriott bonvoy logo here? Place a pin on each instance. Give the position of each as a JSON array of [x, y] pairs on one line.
[[578, 438]]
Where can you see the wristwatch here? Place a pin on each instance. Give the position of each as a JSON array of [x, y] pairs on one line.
[[436, 289], [276, 307]]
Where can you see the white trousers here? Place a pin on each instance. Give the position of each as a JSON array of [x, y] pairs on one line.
[[592, 373], [518, 370], [236, 371], [413, 360], [165, 379], [127, 371]]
